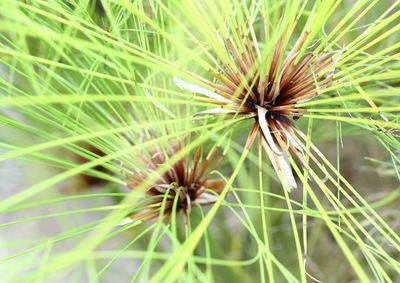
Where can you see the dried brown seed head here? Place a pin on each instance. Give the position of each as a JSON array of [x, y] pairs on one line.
[[271, 98], [186, 183]]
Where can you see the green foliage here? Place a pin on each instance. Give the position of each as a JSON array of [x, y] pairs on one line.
[[87, 90]]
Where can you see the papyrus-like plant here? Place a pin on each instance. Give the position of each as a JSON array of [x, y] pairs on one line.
[[149, 94]]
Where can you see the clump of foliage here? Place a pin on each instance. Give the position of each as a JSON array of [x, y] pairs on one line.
[[121, 119]]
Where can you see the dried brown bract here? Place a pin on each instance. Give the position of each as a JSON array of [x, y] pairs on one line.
[[183, 185], [271, 94]]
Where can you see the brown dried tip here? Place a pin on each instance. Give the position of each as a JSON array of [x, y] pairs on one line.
[[185, 182], [270, 97], [85, 181]]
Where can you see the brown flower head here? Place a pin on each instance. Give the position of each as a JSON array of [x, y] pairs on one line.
[[270, 95], [185, 183]]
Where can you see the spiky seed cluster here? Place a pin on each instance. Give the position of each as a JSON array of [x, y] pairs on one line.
[[270, 96], [184, 183]]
